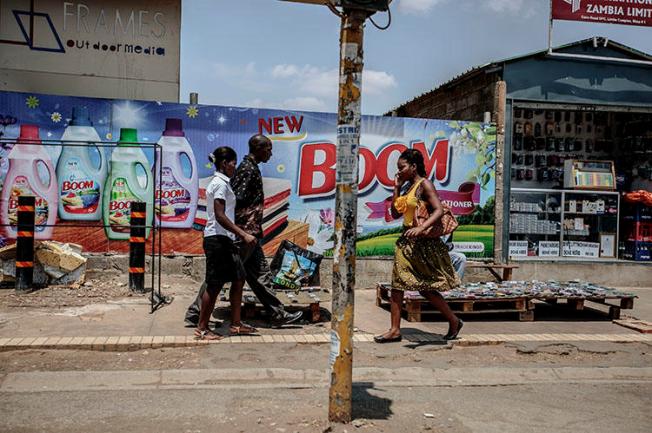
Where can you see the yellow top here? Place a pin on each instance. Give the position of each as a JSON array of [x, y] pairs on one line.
[[407, 204]]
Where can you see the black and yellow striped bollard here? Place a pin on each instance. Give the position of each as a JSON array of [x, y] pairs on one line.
[[137, 247], [25, 244]]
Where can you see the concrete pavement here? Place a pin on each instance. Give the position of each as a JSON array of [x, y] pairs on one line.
[[126, 324]]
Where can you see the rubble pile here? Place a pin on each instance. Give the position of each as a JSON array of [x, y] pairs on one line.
[[55, 263]]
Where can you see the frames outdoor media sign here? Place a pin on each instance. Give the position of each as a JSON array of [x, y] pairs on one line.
[[87, 46], [628, 12]]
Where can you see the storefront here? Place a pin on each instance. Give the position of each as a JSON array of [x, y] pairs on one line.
[[578, 134]]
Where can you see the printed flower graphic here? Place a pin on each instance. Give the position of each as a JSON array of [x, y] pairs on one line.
[[280, 168], [56, 117], [327, 216], [320, 233], [192, 111], [32, 101]]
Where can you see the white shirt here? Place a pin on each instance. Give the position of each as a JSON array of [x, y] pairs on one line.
[[219, 188]]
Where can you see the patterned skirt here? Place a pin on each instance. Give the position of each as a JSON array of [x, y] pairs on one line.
[[423, 264]]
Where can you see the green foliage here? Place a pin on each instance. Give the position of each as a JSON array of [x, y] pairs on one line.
[[480, 139]]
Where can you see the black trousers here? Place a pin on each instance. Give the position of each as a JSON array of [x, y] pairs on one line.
[[259, 278]]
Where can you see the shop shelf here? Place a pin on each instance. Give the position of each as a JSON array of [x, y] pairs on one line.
[[640, 231], [638, 251]]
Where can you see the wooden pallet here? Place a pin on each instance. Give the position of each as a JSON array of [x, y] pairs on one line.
[[615, 304], [415, 306]]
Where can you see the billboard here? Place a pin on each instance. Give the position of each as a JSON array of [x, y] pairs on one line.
[[299, 180], [115, 48], [630, 12]]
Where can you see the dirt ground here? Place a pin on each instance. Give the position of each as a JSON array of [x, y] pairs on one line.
[[315, 356]]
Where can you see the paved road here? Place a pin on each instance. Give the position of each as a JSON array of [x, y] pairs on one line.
[[547, 404]]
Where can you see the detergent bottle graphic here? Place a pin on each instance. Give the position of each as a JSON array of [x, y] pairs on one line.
[[176, 194], [27, 161], [81, 181], [124, 185]]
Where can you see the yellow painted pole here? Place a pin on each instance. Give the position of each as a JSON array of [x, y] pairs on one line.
[[348, 142]]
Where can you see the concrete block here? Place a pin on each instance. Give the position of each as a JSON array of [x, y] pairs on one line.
[[99, 343], [38, 343], [146, 341], [51, 342], [157, 342], [64, 342]]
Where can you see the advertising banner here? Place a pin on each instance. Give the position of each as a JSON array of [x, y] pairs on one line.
[[630, 12], [94, 185]]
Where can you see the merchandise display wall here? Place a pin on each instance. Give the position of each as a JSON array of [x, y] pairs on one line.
[[548, 218]]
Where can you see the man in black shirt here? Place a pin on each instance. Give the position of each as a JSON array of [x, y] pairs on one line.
[[247, 184]]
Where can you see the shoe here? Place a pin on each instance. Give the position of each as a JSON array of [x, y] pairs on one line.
[[452, 336], [382, 340], [191, 323], [287, 319]]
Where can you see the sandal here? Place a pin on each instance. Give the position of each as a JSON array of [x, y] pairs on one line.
[[207, 334], [242, 329]]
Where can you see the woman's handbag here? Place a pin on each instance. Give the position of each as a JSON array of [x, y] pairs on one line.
[[443, 226]]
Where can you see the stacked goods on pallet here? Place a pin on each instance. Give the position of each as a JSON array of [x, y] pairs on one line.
[[513, 297]]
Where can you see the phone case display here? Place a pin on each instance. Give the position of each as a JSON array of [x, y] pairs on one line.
[[535, 223], [552, 223], [586, 216], [589, 175], [542, 142]]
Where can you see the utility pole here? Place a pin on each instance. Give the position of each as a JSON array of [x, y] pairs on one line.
[[353, 15], [346, 209]]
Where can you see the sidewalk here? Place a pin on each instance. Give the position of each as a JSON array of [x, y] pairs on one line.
[[126, 324]]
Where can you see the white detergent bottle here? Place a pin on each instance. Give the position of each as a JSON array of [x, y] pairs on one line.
[[27, 161], [81, 181], [123, 185], [176, 194]]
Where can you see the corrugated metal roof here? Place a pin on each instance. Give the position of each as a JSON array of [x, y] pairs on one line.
[[640, 55]]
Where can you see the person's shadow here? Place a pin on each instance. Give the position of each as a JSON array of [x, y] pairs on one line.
[[418, 338], [368, 406]]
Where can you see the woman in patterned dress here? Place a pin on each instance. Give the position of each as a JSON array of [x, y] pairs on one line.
[[420, 263]]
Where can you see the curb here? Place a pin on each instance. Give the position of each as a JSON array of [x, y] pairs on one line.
[[130, 343]]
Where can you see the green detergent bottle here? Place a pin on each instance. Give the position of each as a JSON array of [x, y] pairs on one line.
[[125, 185]]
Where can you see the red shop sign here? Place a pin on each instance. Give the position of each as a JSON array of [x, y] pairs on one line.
[[629, 12]]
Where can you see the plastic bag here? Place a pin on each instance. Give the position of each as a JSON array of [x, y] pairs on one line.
[[294, 267]]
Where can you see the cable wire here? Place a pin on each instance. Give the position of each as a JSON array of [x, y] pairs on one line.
[[389, 21], [334, 10]]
